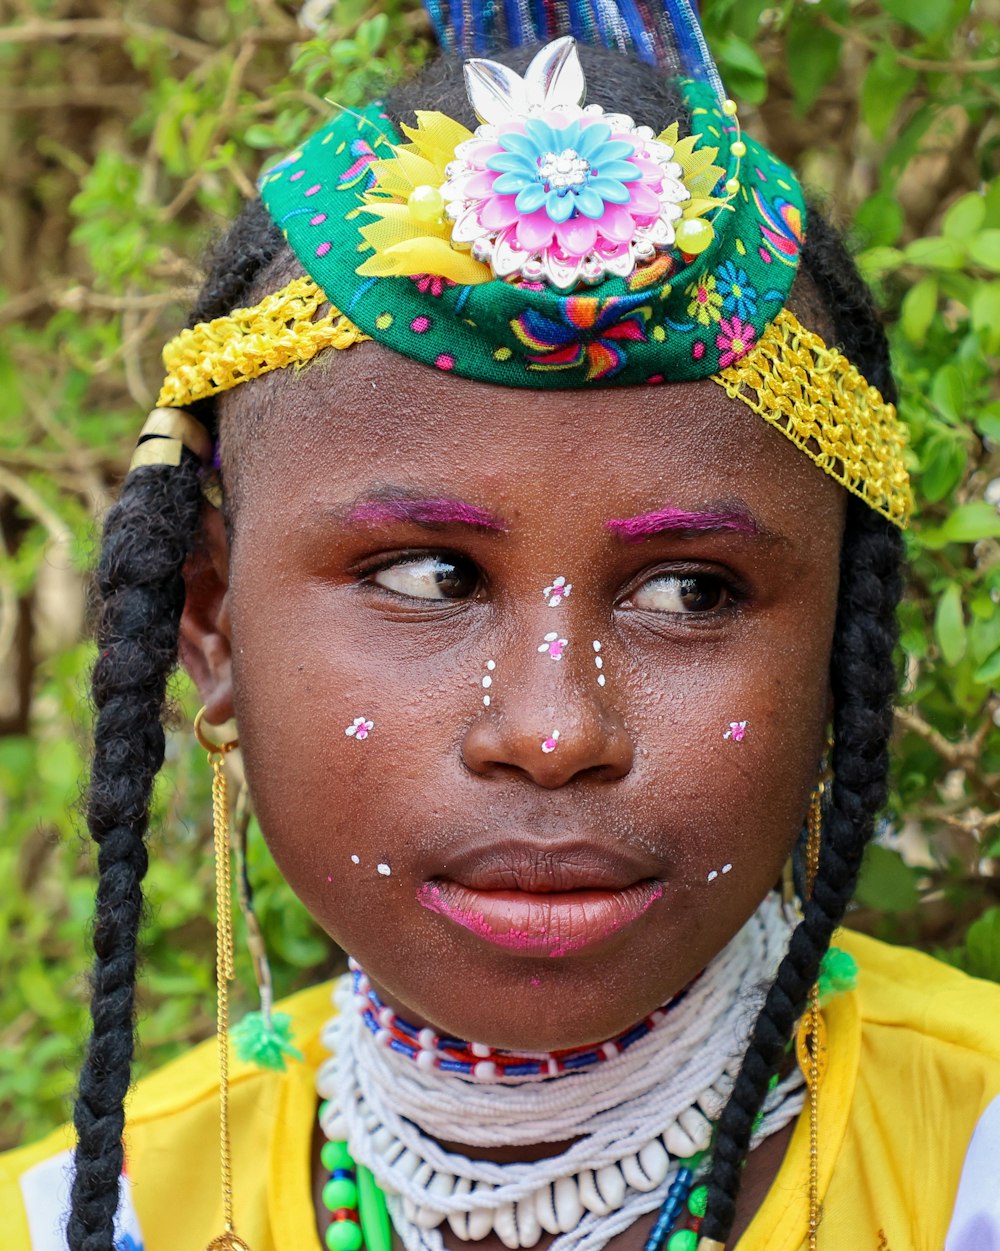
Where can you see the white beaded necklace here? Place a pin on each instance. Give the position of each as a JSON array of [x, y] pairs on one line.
[[632, 1117]]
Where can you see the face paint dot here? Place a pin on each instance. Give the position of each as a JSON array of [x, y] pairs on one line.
[[558, 591], [601, 679], [597, 645], [551, 743], [553, 645], [713, 875], [355, 860], [599, 662], [486, 701], [487, 680], [359, 729], [491, 665], [726, 868], [384, 870]]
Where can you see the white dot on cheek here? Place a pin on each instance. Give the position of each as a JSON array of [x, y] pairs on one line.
[[486, 701], [487, 681], [355, 860], [726, 868], [713, 875], [384, 870]]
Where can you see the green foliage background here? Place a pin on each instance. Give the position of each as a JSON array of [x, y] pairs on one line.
[[129, 134]]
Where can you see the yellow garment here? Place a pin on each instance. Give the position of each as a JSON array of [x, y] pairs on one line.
[[914, 1061]]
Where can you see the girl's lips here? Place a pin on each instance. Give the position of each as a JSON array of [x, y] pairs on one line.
[[551, 924]]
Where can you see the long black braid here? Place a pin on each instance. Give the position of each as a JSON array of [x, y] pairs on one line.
[[147, 537], [864, 683], [152, 529]]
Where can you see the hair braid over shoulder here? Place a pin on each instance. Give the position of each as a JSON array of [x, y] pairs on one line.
[[863, 682], [147, 537]]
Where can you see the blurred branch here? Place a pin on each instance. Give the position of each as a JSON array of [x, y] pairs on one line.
[[32, 502], [965, 65], [964, 754]]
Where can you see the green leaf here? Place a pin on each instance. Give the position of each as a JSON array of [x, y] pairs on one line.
[[812, 55], [943, 463], [948, 393], [985, 310], [885, 87], [919, 307], [742, 69], [982, 946], [886, 883], [988, 673], [949, 624], [875, 262], [984, 250], [937, 252], [967, 524], [879, 221], [925, 16], [965, 217]]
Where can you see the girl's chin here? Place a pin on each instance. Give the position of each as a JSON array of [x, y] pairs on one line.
[[531, 1006]]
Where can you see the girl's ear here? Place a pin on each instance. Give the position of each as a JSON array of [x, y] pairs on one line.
[[205, 634]]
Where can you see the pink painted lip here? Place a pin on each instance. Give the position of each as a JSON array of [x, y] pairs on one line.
[[557, 923]]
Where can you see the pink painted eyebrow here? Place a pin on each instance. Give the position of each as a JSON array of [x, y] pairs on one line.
[[425, 512], [681, 521]]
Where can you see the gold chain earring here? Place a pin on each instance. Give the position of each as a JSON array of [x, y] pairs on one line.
[[810, 1043], [229, 1240]]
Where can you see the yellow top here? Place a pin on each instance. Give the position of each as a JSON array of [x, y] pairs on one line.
[[914, 1064]]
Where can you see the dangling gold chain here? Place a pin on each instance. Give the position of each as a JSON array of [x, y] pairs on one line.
[[229, 1240], [810, 1043]]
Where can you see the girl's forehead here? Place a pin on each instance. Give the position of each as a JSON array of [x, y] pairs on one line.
[[355, 420]]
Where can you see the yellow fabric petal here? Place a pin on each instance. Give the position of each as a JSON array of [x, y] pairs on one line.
[[425, 256], [397, 223], [436, 137]]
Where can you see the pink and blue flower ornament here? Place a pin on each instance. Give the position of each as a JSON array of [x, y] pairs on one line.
[[550, 190]]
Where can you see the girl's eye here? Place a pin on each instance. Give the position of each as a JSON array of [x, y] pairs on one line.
[[429, 577], [681, 594]]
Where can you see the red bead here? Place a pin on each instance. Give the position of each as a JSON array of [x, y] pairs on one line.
[[345, 1214]]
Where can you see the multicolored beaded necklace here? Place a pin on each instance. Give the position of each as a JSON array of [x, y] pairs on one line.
[[453, 1055]]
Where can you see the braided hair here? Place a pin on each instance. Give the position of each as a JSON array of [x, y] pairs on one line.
[[154, 526]]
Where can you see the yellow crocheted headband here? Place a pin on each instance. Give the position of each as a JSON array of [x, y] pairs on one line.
[[808, 391]]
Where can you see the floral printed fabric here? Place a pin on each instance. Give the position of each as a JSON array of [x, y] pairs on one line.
[[679, 318]]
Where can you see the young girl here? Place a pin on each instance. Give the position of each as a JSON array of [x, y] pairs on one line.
[[527, 487]]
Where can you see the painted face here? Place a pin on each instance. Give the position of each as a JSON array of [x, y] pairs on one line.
[[545, 866]]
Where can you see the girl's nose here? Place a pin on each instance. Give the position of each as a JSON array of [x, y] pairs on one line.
[[549, 719]]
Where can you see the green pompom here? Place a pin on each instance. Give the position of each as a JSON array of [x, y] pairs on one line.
[[698, 1201], [265, 1043], [683, 1240], [838, 972]]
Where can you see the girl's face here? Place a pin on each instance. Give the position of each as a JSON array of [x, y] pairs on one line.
[[532, 813]]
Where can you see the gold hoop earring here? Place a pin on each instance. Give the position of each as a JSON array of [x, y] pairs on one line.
[[229, 1240]]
